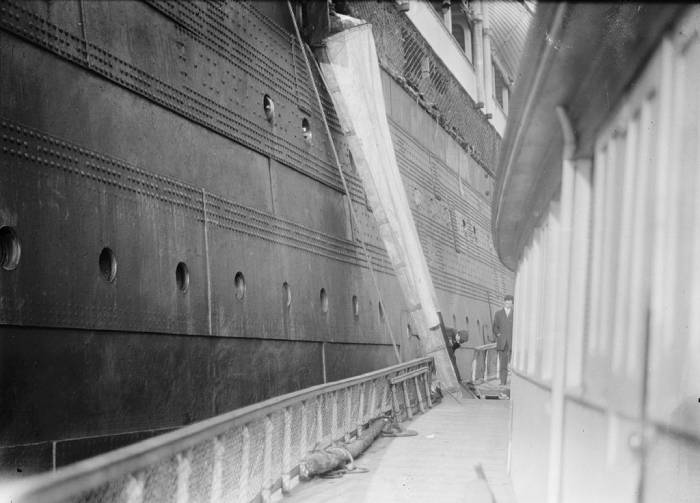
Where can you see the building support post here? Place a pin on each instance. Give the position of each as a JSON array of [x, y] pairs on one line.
[[559, 353], [478, 53], [488, 65]]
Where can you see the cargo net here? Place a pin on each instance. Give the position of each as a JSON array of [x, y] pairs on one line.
[[251, 460], [408, 58]]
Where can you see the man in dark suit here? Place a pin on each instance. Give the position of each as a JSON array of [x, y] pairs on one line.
[[503, 330]]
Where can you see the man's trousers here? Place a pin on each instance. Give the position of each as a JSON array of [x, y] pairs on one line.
[[503, 360]]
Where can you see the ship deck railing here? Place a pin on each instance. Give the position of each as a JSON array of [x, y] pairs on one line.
[[249, 454]]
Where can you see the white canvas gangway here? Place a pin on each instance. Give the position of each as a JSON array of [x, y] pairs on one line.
[[351, 71]]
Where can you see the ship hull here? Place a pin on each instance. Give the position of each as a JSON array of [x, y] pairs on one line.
[[139, 128]]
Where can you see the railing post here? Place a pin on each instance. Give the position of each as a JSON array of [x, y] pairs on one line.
[[183, 478], [395, 401], [334, 417], [348, 414], [133, 490], [384, 405], [267, 462], [372, 412], [287, 451], [319, 419], [361, 411], [217, 471], [426, 378], [245, 466], [407, 399], [304, 425], [421, 406]]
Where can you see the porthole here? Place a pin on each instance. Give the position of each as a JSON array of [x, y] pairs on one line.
[[182, 276], [286, 289], [108, 264], [269, 108], [239, 284], [306, 130], [324, 300], [10, 248], [355, 307], [381, 312]]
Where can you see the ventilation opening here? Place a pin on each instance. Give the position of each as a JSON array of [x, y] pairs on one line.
[[269, 108], [306, 130], [182, 276], [381, 312], [324, 300], [239, 283], [108, 264], [355, 307], [287, 295], [10, 248]]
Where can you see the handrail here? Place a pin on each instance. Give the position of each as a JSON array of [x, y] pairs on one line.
[[85, 475]]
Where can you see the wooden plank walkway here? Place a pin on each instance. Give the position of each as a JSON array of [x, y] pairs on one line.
[[437, 465]]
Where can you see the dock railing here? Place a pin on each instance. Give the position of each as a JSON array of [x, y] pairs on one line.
[[244, 455]]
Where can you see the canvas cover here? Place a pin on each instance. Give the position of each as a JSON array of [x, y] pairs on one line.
[[351, 70]]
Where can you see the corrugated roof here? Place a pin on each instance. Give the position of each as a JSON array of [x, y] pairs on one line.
[[509, 21]]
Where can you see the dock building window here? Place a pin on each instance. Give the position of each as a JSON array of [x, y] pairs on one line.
[[500, 89], [462, 32]]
